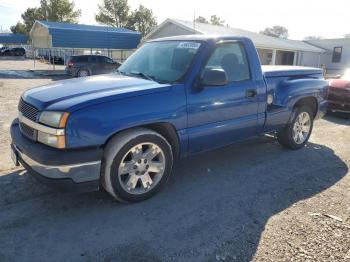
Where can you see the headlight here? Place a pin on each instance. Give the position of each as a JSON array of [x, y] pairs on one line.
[[54, 119], [52, 140]]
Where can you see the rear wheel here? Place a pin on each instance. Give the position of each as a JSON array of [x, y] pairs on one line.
[[137, 163], [83, 73], [297, 133]]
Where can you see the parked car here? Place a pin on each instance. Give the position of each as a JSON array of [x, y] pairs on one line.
[[172, 98], [16, 51], [339, 93], [86, 65]]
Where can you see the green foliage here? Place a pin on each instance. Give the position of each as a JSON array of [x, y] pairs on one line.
[[59, 11], [142, 20], [113, 13], [30, 15], [215, 20], [19, 28], [50, 10], [201, 19], [117, 13], [276, 31]]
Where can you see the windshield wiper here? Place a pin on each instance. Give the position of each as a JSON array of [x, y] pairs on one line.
[[142, 75]]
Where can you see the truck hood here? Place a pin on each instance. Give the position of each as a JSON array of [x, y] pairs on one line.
[[67, 95]]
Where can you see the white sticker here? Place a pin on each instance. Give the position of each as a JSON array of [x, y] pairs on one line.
[[189, 45]]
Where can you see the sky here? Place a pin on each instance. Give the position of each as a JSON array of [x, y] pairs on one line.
[[329, 19]]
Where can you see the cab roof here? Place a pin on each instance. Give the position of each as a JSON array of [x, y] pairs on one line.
[[203, 38]]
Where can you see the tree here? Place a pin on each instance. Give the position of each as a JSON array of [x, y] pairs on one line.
[[50, 10], [19, 28], [312, 37], [114, 13], [142, 20], [59, 11], [201, 19], [347, 35], [30, 15], [276, 31], [215, 20]]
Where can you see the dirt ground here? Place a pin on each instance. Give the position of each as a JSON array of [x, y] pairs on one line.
[[250, 201]]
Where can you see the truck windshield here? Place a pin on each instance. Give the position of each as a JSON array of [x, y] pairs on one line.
[[165, 61]]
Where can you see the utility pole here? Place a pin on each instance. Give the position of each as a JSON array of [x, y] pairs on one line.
[[194, 21]]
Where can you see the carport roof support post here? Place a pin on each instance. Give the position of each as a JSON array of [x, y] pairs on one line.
[[274, 53]]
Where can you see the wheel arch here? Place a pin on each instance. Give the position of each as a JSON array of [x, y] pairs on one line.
[[309, 101], [165, 129]]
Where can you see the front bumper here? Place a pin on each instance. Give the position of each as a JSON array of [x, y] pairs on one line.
[[336, 106], [65, 170]]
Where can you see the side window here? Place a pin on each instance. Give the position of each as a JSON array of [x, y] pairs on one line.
[[98, 59], [92, 59], [83, 59], [231, 58], [108, 60], [336, 57]]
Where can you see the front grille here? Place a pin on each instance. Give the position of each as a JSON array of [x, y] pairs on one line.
[[341, 95], [27, 110], [27, 131]]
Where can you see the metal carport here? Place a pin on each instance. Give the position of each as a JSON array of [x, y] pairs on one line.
[[65, 39], [13, 39]]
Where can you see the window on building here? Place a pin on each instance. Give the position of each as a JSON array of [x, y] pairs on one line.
[[337, 51]]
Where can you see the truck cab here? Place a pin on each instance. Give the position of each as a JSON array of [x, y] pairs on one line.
[[174, 97]]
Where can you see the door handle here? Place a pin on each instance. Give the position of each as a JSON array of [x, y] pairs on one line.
[[251, 93]]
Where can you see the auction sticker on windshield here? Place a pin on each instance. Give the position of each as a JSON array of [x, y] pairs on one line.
[[189, 45]]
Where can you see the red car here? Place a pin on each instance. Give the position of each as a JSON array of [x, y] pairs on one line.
[[339, 93]]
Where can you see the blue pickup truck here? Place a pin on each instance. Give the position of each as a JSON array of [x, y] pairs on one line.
[[174, 97]]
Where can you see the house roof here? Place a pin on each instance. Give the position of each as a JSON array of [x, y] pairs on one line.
[[6, 38], [261, 41], [68, 35]]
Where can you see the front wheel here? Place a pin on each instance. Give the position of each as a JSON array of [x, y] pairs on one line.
[[297, 133], [136, 164]]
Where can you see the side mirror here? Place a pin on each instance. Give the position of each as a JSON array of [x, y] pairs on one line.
[[213, 77]]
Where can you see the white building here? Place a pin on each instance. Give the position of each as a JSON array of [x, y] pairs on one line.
[[337, 57], [274, 51]]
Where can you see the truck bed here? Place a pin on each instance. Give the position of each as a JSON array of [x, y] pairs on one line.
[[283, 71]]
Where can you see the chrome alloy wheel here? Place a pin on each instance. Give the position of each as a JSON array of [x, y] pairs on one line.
[[301, 128], [141, 168]]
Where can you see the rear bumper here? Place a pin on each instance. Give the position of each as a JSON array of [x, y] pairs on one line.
[[322, 109], [61, 169], [71, 71]]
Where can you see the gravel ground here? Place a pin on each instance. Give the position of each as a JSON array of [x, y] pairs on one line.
[[250, 201]]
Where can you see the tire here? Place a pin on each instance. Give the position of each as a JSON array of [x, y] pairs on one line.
[[118, 160], [288, 137], [83, 73]]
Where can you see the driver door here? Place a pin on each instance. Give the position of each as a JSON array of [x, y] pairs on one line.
[[221, 115]]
